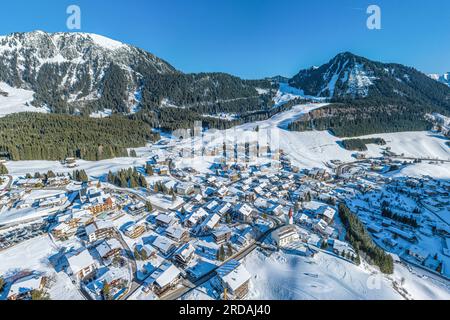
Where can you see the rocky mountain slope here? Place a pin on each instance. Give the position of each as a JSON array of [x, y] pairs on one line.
[[370, 97]]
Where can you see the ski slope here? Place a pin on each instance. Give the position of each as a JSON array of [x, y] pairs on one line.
[[16, 101], [325, 277]]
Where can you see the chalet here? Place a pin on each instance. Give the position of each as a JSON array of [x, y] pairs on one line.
[[322, 227], [198, 198], [212, 205], [164, 220], [162, 170], [195, 217], [403, 234], [224, 208], [245, 237], [276, 210], [164, 278], [81, 265], [185, 188], [164, 245], [177, 234], [234, 279], [221, 235], [135, 230], [58, 181], [210, 222], [243, 212], [99, 230], [222, 192], [137, 209], [109, 249], [261, 204], [185, 254], [115, 278], [285, 235], [64, 231], [97, 208], [22, 288], [326, 213], [29, 183]]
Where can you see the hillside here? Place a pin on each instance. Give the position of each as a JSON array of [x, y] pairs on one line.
[[80, 73], [369, 97]]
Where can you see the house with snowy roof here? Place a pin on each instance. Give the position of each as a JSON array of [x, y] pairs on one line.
[[108, 249], [185, 254], [243, 212], [164, 245], [177, 233], [81, 265], [164, 278], [23, 287], [99, 230], [234, 279]]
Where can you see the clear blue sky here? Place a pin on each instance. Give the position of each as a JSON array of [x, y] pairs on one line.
[[254, 38]]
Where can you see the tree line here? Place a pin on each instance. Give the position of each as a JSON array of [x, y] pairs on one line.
[[361, 144], [35, 136], [127, 178], [361, 240]]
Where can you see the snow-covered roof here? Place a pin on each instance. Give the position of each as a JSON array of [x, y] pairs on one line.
[[244, 209], [80, 261], [163, 244], [164, 218], [197, 215], [327, 212], [167, 276], [25, 285], [185, 251], [176, 232], [98, 225], [233, 274], [107, 246]]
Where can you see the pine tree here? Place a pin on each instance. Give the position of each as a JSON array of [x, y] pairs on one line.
[[2, 284], [133, 183], [137, 254], [142, 181], [3, 169], [149, 170], [39, 295], [106, 291], [149, 206], [221, 253], [133, 153]]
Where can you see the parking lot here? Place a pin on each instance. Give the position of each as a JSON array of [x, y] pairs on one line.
[[13, 237]]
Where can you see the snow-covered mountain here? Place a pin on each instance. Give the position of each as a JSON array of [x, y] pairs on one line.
[[351, 76], [344, 75], [72, 66], [444, 78], [84, 73], [370, 97]]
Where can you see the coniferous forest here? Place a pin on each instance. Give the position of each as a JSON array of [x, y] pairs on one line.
[[361, 240], [34, 136]]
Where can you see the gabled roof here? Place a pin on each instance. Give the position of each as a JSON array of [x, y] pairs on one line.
[[233, 274], [80, 261]]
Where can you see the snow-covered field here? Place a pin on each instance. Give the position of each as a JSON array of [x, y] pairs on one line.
[[33, 255], [306, 149], [17, 100], [289, 277], [93, 168]]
